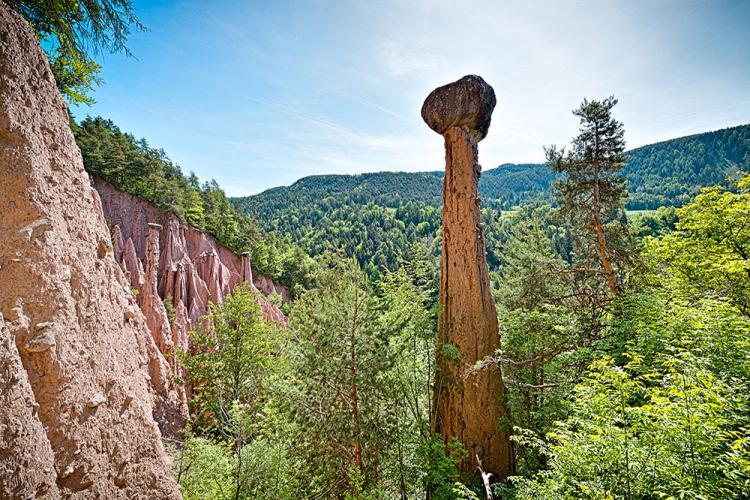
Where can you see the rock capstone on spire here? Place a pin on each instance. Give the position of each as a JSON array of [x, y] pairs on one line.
[[466, 103]]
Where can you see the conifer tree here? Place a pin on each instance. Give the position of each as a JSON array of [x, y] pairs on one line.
[[337, 389], [75, 31], [231, 359], [593, 190]]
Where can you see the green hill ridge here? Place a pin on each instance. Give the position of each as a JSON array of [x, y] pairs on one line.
[[665, 173]]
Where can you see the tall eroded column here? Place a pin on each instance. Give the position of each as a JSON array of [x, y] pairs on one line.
[[469, 404], [151, 304]]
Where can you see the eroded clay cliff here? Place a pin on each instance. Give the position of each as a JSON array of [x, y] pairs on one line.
[[193, 268], [175, 271], [76, 416]]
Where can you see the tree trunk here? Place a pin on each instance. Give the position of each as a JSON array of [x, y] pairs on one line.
[[468, 407], [354, 397], [601, 239], [355, 421]]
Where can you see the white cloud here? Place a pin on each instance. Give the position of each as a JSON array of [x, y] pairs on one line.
[[400, 60]]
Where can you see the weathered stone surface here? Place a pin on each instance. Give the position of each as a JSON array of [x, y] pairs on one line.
[[132, 265], [466, 103], [96, 400], [468, 404], [27, 462], [63, 298], [43, 341], [246, 272], [209, 270]]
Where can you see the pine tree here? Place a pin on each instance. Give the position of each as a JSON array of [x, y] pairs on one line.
[[409, 296], [76, 31], [592, 192]]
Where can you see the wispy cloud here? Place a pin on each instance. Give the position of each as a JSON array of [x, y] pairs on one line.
[[378, 107], [400, 60]]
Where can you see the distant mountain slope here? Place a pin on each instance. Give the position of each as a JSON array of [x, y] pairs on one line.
[[665, 173], [387, 189], [672, 172], [371, 216], [510, 184]]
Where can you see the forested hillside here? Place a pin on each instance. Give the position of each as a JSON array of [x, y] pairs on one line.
[[667, 173], [510, 185], [388, 189], [371, 216], [374, 217], [672, 172], [533, 340], [628, 375], [640, 394]]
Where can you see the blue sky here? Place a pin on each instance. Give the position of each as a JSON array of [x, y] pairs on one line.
[[259, 94]]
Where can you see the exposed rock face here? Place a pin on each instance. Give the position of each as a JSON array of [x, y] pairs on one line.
[[172, 263], [148, 298], [469, 404], [193, 269], [28, 463], [76, 416]]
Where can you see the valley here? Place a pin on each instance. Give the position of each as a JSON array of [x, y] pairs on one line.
[[578, 328]]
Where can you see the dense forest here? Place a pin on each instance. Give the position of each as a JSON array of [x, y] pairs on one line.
[[672, 172], [668, 173], [388, 189], [640, 394], [510, 185], [624, 352], [375, 217], [371, 216], [137, 168], [641, 376]]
